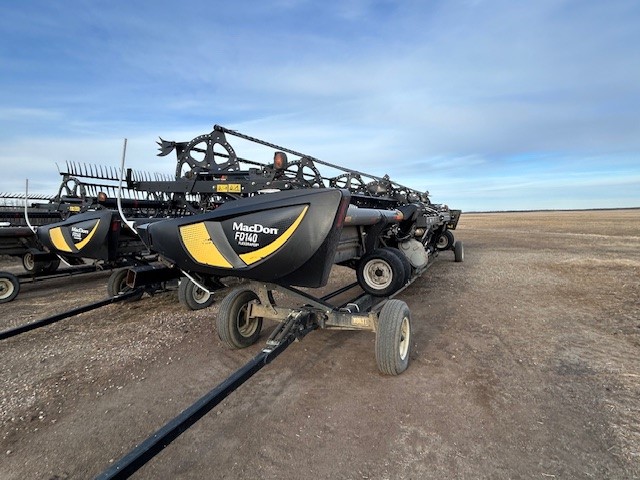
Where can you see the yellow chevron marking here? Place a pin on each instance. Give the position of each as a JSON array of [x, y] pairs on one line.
[[259, 254], [200, 246], [58, 240]]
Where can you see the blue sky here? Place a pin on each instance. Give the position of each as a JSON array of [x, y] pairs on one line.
[[489, 105]]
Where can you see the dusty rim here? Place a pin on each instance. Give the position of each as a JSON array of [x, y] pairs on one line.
[[29, 262], [405, 338], [377, 273], [247, 326], [6, 288], [9, 287], [200, 295]]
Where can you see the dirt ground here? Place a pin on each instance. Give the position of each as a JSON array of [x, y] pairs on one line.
[[525, 364]]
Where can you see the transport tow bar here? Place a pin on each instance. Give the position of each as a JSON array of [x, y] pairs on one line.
[[12, 332], [296, 327]]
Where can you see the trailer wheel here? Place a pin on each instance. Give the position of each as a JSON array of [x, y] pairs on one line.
[[117, 285], [380, 272], [445, 241], [235, 328], [393, 338], [28, 262], [458, 251], [30, 265], [406, 264], [9, 287], [192, 296]]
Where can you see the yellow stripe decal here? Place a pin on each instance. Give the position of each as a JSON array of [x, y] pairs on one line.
[[200, 246], [80, 245], [58, 240], [256, 255]]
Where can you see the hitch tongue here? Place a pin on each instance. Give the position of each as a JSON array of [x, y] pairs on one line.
[[291, 327]]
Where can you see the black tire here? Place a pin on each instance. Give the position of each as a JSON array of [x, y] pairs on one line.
[[51, 266], [458, 251], [445, 241], [9, 287], [393, 338], [117, 285], [406, 264], [192, 296], [380, 273], [234, 326]]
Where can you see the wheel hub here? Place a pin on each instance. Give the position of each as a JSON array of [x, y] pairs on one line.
[[200, 295], [246, 326], [6, 288], [378, 274]]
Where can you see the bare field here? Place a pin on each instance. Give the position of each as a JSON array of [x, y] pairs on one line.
[[525, 364]]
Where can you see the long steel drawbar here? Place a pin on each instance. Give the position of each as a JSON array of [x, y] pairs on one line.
[[296, 327], [12, 332]]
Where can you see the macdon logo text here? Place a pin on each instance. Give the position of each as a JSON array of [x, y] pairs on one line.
[[255, 228], [247, 235], [79, 230]]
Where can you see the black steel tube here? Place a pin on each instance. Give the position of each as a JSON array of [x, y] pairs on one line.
[[66, 272], [140, 455], [12, 332], [329, 296]]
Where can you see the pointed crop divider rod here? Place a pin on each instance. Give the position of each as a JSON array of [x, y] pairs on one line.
[[129, 223], [26, 204]]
